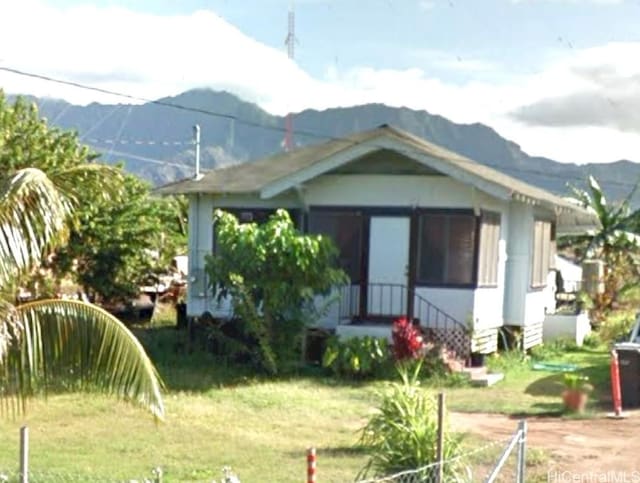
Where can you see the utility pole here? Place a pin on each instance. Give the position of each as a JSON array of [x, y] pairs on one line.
[[290, 42], [196, 140]]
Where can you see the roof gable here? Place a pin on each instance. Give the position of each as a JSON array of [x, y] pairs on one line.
[[276, 174]]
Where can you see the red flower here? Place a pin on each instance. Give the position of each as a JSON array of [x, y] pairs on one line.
[[407, 340]]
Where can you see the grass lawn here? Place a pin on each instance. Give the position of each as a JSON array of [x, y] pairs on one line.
[[218, 416], [528, 392]]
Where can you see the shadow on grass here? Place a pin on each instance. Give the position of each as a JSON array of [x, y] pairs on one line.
[[551, 385], [343, 451], [541, 410], [190, 367]]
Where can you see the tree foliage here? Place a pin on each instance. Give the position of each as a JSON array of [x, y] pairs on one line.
[[119, 243], [55, 340], [615, 242], [119, 235], [273, 273]]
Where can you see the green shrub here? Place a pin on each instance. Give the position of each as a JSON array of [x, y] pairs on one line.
[[616, 326], [357, 357], [507, 360], [273, 273], [402, 435], [553, 349], [592, 340]]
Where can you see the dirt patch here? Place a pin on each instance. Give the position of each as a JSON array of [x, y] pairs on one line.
[[584, 447]]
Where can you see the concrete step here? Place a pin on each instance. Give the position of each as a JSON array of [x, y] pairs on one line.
[[475, 372], [487, 380]]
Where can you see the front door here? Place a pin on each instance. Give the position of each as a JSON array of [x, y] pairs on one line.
[[387, 293]]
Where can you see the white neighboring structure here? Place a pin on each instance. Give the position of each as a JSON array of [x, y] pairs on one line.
[[423, 232], [571, 274]]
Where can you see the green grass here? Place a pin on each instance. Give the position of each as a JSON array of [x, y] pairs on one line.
[[219, 415], [527, 392]]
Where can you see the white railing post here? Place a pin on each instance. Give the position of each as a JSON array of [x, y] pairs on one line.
[[522, 451], [24, 455]]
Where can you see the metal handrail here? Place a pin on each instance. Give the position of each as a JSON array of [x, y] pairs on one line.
[[350, 303], [390, 300]]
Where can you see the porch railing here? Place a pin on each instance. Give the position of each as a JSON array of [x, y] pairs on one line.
[[387, 301]]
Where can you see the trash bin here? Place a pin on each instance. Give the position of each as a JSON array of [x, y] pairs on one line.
[[629, 363]]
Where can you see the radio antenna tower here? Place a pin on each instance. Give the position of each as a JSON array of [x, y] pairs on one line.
[[290, 42]]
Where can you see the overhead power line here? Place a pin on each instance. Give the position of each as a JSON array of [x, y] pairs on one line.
[[270, 127], [147, 159]]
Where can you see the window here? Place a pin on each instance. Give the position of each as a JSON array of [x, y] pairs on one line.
[[446, 249], [542, 253], [489, 249], [345, 229]]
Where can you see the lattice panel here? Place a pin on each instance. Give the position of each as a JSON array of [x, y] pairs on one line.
[[454, 339]]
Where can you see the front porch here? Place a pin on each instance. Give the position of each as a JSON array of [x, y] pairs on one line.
[[370, 309]]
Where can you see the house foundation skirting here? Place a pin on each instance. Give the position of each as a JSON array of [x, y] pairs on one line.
[[485, 341], [532, 335]]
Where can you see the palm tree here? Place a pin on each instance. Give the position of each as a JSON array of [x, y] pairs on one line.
[[615, 242], [59, 343]]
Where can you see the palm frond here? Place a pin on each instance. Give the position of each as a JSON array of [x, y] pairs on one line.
[[33, 216], [77, 346], [78, 180]]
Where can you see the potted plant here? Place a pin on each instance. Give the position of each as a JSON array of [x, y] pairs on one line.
[[576, 393]]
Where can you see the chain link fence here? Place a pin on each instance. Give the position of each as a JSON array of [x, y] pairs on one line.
[[496, 462], [42, 476]]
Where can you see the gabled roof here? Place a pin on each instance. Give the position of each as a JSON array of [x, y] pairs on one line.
[[273, 175]]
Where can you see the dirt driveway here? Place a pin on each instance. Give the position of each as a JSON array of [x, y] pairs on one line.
[[579, 446]]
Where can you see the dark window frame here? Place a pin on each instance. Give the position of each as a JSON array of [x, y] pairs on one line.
[[443, 283], [358, 275]]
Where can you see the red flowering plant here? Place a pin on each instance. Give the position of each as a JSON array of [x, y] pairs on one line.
[[408, 344]]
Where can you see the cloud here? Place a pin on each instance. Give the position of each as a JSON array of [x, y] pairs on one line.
[[609, 97], [426, 4], [154, 56]]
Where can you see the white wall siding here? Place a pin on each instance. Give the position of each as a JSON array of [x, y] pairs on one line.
[[380, 190], [517, 276], [487, 307], [575, 327], [540, 302], [200, 245], [457, 303], [489, 302]]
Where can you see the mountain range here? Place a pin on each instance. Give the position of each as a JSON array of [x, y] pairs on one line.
[[154, 140]]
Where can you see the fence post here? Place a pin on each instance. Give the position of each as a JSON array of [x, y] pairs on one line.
[[311, 465], [616, 394], [522, 451], [24, 454], [440, 447]]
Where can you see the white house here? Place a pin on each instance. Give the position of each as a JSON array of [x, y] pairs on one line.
[[423, 232]]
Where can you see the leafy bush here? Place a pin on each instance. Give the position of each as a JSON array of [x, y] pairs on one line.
[[272, 273], [592, 340], [402, 435], [553, 349], [616, 326], [507, 360], [357, 357]]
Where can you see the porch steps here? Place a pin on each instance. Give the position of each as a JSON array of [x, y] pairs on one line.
[[481, 378]]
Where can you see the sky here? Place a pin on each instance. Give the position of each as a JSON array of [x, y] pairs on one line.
[[561, 78]]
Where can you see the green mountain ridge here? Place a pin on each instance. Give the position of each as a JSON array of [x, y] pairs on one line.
[[155, 139]]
